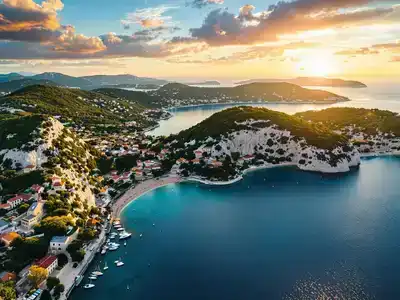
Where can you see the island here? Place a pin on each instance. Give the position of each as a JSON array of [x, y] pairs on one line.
[[176, 94], [208, 82], [313, 81]]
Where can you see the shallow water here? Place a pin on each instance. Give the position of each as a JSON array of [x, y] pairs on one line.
[[278, 234]]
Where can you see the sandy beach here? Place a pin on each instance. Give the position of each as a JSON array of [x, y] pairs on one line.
[[139, 190]]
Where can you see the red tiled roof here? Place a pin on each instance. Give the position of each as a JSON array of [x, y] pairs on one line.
[[24, 197], [46, 261], [5, 206], [58, 183], [36, 187]]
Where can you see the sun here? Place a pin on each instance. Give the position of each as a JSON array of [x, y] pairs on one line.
[[318, 65]]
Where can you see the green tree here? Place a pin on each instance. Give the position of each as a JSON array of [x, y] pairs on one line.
[[52, 282], [45, 295], [37, 275], [23, 208], [58, 290], [7, 290], [56, 225]]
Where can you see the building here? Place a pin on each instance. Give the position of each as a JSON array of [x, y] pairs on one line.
[[18, 199], [37, 190], [5, 206], [181, 161], [8, 238], [59, 186], [7, 276], [49, 262], [59, 244], [3, 225], [33, 215], [198, 153]]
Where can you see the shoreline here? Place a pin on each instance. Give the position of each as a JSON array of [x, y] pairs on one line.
[[153, 184], [254, 103]]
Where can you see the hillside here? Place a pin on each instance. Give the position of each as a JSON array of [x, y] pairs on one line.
[[106, 80], [63, 80], [14, 85], [174, 93], [260, 136], [312, 81], [75, 104], [137, 97], [208, 82], [10, 77], [36, 148], [359, 120]]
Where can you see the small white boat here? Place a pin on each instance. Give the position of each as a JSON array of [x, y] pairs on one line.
[[103, 251], [92, 277], [113, 248], [124, 235], [120, 264], [125, 243], [116, 261], [141, 235], [121, 229], [88, 286], [117, 226], [105, 266]]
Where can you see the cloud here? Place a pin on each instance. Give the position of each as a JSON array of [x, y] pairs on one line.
[[396, 59], [149, 17], [203, 3], [71, 42], [393, 47], [28, 21], [283, 18], [374, 49]]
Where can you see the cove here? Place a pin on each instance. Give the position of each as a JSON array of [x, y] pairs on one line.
[[278, 234]]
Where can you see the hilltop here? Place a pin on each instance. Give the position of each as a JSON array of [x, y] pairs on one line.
[[124, 79], [16, 84], [74, 104], [63, 80], [177, 93], [312, 81]]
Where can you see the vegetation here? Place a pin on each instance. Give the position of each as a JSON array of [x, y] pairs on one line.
[[19, 182], [45, 295], [37, 275], [24, 251], [140, 98], [369, 121], [76, 251], [226, 121], [54, 226], [52, 282], [59, 288], [276, 91], [7, 290]]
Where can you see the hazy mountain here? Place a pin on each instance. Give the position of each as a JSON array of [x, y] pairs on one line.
[[312, 81], [10, 77], [64, 80], [14, 85], [104, 80]]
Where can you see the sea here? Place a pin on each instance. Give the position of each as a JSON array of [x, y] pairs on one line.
[[280, 233], [381, 95]]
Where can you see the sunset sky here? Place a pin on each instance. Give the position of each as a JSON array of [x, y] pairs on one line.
[[213, 39]]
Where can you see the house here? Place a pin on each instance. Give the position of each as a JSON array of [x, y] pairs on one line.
[[3, 225], [33, 215], [248, 157], [164, 151], [7, 276], [38, 189], [240, 161], [28, 168], [18, 199], [181, 161], [196, 161], [59, 186], [5, 206], [198, 153], [139, 164], [138, 175], [59, 244], [8, 238], [149, 163], [116, 178], [49, 262]]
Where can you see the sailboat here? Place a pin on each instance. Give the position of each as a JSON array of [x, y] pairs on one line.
[[125, 243], [97, 272], [105, 266], [127, 287]]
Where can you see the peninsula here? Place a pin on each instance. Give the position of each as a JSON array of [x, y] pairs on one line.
[[313, 81]]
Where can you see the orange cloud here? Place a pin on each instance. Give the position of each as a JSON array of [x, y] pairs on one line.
[[71, 42]]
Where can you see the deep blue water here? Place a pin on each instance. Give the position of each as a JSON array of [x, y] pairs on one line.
[[278, 234]]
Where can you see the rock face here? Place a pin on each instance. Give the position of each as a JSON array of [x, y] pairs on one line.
[[54, 150], [276, 146]]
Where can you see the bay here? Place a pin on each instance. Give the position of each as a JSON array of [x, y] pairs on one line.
[[278, 234]]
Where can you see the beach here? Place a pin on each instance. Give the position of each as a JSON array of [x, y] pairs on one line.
[[140, 189]]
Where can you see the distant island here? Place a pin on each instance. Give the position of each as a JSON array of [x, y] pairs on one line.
[[209, 82], [312, 81], [177, 94]]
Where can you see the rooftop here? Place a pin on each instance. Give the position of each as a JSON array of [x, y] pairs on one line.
[[59, 239], [46, 261]]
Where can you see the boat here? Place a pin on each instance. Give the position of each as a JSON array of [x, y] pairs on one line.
[[113, 248], [117, 226], [121, 229], [124, 235], [125, 243], [116, 261], [127, 287], [120, 264], [141, 235], [97, 271], [105, 266], [89, 285], [103, 251], [92, 277]]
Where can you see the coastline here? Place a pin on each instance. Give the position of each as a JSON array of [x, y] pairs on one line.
[[152, 184]]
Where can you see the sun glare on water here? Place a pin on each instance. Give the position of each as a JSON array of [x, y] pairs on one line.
[[316, 65]]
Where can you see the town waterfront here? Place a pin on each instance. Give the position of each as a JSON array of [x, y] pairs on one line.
[[278, 234]]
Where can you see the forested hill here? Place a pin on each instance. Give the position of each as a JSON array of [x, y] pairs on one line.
[[266, 92], [368, 121], [313, 81], [74, 104], [14, 85], [231, 120], [138, 97]]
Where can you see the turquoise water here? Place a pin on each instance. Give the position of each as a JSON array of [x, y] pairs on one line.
[[278, 234], [382, 96]]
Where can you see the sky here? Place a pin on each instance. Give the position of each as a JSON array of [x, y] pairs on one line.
[[202, 39]]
